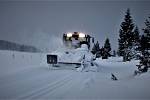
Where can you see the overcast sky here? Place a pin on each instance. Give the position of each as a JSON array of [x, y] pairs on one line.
[[42, 23]]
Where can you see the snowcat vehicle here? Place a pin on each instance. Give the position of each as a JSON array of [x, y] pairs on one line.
[[76, 39], [76, 53]]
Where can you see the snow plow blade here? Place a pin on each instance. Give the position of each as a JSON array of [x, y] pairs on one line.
[[52, 59], [71, 63]]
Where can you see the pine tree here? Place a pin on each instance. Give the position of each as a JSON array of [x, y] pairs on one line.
[[143, 41], [126, 36], [145, 38], [98, 53], [107, 46], [135, 44], [104, 53], [136, 36], [96, 49], [114, 53], [147, 34], [97, 46], [145, 48]]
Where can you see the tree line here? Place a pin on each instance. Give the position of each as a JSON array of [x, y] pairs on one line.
[[6, 45], [104, 51], [131, 43]]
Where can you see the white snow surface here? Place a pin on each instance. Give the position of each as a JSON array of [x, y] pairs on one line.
[[27, 76]]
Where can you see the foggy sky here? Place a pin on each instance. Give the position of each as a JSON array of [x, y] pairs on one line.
[[42, 23]]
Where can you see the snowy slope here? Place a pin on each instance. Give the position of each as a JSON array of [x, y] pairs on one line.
[[12, 61], [24, 76]]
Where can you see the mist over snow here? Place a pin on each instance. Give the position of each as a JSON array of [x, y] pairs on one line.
[[45, 41]]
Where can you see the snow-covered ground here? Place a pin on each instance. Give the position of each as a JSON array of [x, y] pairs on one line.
[[26, 76], [13, 61]]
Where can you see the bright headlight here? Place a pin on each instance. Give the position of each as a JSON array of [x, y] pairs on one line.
[[69, 34], [81, 35]]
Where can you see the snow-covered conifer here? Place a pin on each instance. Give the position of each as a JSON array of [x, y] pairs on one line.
[[145, 46], [126, 36], [107, 46]]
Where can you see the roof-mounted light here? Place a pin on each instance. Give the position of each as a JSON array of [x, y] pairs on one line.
[[69, 34], [82, 35]]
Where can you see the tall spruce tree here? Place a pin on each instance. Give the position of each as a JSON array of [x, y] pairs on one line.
[[107, 46], [136, 36], [126, 37], [145, 48], [135, 44], [147, 34], [143, 41], [145, 38]]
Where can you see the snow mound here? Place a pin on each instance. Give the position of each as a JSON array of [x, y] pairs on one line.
[[72, 55]]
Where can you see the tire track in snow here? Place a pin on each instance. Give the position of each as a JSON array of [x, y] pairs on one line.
[[47, 88], [75, 87], [72, 88]]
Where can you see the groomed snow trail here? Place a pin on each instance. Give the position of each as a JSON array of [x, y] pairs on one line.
[[42, 83]]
